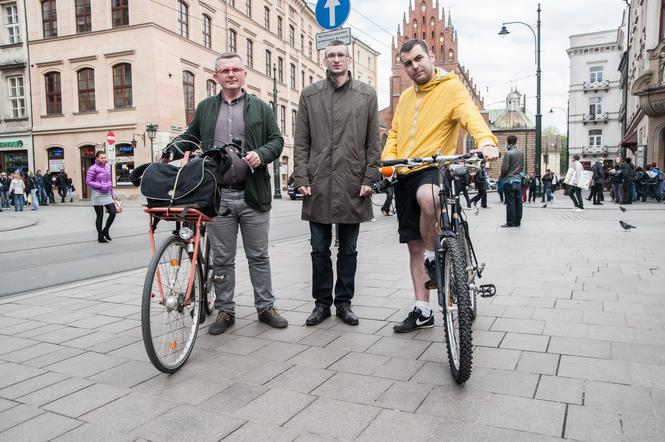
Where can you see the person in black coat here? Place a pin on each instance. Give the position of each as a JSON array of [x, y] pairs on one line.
[[61, 181]]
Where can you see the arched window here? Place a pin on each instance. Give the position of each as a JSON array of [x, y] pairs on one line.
[[451, 54], [183, 19], [233, 41], [53, 93], [122, 86], [207, 31], [211, 88], [49, 19], [188, 93], [86, 89]]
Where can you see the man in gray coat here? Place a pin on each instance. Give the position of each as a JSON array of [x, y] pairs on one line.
[[336, 156], [511, 168]]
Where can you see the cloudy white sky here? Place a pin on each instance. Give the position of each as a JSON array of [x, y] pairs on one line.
[[497, 63]]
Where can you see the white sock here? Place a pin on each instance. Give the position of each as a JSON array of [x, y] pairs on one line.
[[424, 308], [429, 254]]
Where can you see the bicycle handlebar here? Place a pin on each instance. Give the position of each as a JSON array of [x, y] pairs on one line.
[[413, 162]]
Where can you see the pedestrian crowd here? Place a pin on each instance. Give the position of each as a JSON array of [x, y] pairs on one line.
[[27, 189]]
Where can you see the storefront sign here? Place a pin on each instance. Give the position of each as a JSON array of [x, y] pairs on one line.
[[17, 143], [56, 165]]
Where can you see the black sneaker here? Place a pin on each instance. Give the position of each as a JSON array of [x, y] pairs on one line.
[[222, 322], [414, 321], [430, 268]]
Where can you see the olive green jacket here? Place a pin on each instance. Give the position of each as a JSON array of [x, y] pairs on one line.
[[261, 135]]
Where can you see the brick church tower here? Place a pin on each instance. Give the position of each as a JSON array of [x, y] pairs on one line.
[[427, 22]]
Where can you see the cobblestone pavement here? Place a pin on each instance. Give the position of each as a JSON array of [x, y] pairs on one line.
[[572, 346]]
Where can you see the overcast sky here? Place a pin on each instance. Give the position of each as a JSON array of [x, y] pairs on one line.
[[497, 63]]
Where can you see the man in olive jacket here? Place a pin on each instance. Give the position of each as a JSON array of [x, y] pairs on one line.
[[336, 156], [246, 193]]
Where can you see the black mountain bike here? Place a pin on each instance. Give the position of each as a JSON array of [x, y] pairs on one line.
[[457, 266]]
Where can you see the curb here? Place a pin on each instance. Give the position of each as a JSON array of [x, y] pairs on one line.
[[19, 226]]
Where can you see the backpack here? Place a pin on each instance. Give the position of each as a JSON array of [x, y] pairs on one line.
[[195, 185]]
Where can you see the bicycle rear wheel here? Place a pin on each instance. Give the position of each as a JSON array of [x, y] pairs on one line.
[[453, 294], [209, 301], [470, 261], [169, 323]]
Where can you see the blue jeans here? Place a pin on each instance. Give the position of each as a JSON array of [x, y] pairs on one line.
[[4, 199], [513, 194], [35, 199], [18, 202], [548, 193], [43, 197], [347, 261]]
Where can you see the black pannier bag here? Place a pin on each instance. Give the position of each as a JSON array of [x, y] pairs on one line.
[[196, 184]]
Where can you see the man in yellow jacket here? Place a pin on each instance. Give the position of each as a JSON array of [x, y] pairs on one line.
[[425, 124]]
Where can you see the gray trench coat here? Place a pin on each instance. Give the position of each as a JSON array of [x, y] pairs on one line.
[[337, 150]]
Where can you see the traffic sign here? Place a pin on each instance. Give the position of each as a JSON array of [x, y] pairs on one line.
[[110, 153], [331, 14], [110, 137], [323, 38]]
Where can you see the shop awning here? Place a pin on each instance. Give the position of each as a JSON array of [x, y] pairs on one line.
[[630, 140]]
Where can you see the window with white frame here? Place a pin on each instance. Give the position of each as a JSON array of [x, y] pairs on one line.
[[11, 23], [595, 137], [16, 96], [595, 105], [595, 74]]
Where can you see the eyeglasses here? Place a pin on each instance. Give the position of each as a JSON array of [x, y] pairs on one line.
[[227, 72], [334, 55]]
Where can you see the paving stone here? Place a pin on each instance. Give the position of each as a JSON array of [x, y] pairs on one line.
[[10, 344], [502, 381], [620, 398], [580, 347], [638, 427], [392, 425], [320, 337], [279, 351], [86, 364], [398, 348], [516, 312], [579, 304], [558, 389], [520, 341], [275, 407], [359, 363], [610, 333], [497, 434], [353, 342], [518, 326], [62, 334], [85, 400], [495, 358], [404, 396], [317, 416], [239, 345], [264, 372], [55, 391], [316, 357], [253, 431], [128, 412], [353, 388], [650, 354], [487, 338], [292, 333], [399, 369], [233, 398], [604, 318], [542, 363], [11, 373], [27, 353], [96, 433], [595, 369], [643, 321], [44, 427], [90, 340], [566, 329], [189, 423], [592, 424], [15, 415], [31, 385], [483, 322], [559, 315], [301, 379], [648, 375], [368, 326]]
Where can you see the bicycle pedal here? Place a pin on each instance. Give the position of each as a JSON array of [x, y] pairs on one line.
[[221, 278], [487, 290]]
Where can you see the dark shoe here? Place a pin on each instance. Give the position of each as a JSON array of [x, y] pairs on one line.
[[273, 318], [344, 312], [318, 315], [385, 212], [100, 238], [414, 321], [106, 235], [222, 322], [430, 269], [507, 225]]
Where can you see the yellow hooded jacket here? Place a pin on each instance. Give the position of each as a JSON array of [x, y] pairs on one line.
[[426, 120]]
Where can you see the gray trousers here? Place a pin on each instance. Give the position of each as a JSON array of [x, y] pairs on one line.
[[223, 236]]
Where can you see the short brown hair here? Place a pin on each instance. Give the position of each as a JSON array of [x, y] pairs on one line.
[[410, 44], [338, 43]]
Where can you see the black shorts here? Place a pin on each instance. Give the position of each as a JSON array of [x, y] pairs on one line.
[[408, 209]]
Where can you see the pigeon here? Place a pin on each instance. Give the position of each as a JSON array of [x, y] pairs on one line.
[[544, 205], [477, 211], [623, 209], [626, 226]]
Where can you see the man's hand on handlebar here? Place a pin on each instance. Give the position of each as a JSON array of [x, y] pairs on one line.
[[490, 152]]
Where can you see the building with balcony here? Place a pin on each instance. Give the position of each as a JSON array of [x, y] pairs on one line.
[[15, 139], [121, 65], [643, 67], [595, 94]]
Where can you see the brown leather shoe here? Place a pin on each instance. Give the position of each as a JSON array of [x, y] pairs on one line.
[[273, 318]]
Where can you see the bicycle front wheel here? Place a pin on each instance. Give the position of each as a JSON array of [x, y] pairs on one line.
[[454, 298], [169, 321], [470, 263]]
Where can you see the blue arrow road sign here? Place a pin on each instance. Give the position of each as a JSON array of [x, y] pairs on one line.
[[331, 14]]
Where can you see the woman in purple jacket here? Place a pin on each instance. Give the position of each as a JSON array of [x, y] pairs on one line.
[[99, 179]]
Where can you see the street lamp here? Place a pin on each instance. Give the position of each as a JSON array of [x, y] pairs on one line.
[[564, 151], [536, 36], [275, 164], [151, 130]]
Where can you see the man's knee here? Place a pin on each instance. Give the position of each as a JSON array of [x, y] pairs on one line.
[[427, 198]]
